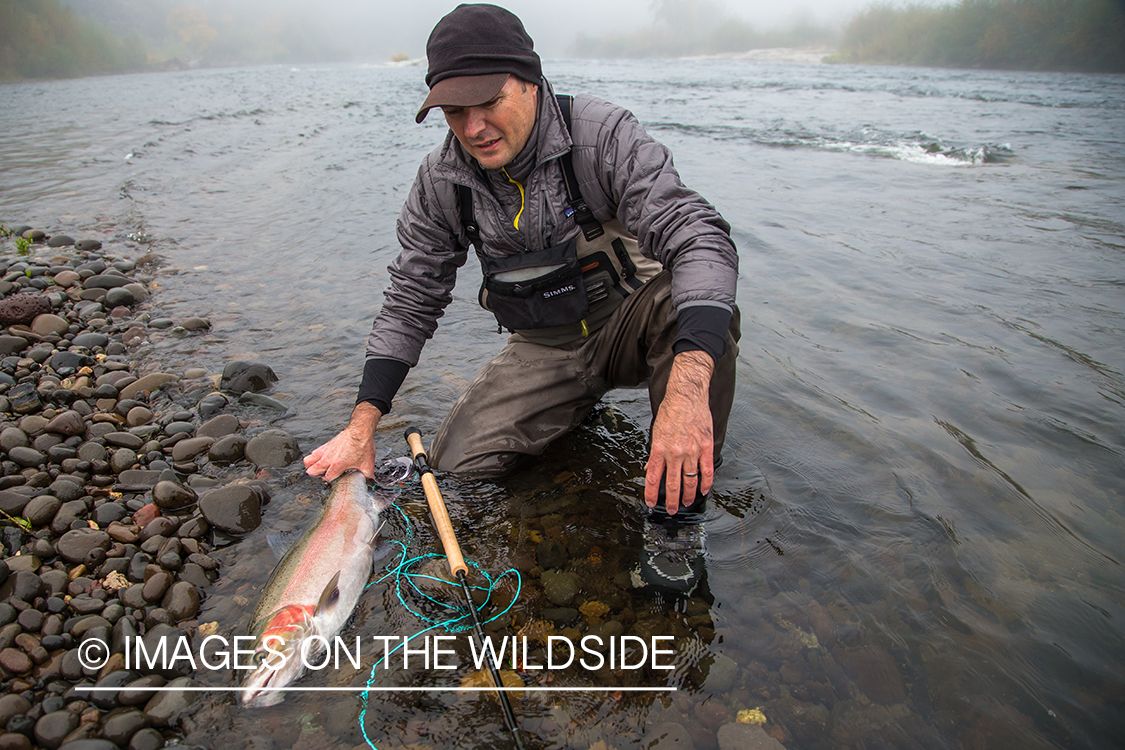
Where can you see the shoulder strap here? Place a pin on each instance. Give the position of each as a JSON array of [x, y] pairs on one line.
[[591, 227], [468, 218]]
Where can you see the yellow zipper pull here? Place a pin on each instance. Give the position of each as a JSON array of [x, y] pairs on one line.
[[523, 198], [585, 329]]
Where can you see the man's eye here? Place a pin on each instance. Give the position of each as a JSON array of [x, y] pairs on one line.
[[452, 111]]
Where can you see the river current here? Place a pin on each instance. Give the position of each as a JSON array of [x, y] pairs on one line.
[[918, 535]]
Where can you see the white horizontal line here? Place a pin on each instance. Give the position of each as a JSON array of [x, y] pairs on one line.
[[382, 689]]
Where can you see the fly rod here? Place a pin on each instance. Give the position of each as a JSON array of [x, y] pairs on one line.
[[457, 564]]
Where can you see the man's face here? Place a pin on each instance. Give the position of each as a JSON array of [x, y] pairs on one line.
[[495, 132]]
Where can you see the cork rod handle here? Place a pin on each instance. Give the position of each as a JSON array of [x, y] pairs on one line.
[[440, 515]]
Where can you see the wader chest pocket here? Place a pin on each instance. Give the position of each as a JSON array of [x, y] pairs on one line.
[[535, 290]]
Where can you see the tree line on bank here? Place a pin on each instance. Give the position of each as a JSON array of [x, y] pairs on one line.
[[43, 39], [1062, 35], [49, 39]]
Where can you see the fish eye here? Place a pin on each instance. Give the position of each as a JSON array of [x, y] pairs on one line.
[[259, 658]]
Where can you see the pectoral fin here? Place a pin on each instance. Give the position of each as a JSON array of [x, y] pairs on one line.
[[330, 596]]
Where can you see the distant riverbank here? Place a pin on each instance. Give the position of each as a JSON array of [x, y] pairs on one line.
[[1079, 36], [809, 55]]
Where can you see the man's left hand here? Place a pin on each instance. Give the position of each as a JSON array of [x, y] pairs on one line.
[[683, 442]]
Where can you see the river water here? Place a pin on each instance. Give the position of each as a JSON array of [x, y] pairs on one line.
[[917, 538]]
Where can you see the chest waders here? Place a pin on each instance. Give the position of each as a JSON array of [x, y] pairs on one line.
[[569, 290]]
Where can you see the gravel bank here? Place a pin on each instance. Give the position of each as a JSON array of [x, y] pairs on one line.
[[119, 481]]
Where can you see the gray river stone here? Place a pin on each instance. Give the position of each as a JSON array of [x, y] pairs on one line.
[[262, 400], [667, 736], [172, 495], [13, 437], [12, 704], [66, 363], [272, 448], [105, 281], [23, 308], [48, 323], [68, 514], [746, 737], [75, 544], [135, 480], [124, 440], [560, 588], [148, 384], [188, 449], [66, 488], [240, 377], [212, 404], [21, 585], [195, 324], [181, 601], [119, 725], [40, 510], [551, 554], [120, 296], [235, 508], [165, 708], [23, 398], [52, 729], [13, 503], [122, 459], [107, 513], [12, 345], [218, 426], [69, 423], [174, 428], [228, 449], [90, 340], [138, 415]]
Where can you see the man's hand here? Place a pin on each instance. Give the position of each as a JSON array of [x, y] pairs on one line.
[[683, 441], [353, 448]]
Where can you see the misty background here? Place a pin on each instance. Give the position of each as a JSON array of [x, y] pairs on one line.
[[375, 30], [69, 38]]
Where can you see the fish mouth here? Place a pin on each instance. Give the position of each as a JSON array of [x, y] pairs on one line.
[[263, 686], [277, 664]]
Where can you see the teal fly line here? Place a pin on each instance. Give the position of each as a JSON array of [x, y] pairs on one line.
[[405, 576]]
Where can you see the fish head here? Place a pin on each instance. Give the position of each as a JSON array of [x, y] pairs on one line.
[[277, 658]]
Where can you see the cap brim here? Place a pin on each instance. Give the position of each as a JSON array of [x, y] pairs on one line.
[[462, 91]]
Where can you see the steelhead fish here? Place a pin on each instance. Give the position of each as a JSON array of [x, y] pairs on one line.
[[318, 582]]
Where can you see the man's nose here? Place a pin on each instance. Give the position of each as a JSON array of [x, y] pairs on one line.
[[474, 122]]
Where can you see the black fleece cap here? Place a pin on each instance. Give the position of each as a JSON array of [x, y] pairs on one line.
[[470, 53]]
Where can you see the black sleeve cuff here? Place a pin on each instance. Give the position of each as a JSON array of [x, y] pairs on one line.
[[381, 380], [703, 328]]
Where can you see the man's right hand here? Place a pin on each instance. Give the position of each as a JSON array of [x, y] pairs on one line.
[[352, 448]]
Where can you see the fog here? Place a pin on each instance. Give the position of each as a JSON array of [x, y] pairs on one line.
[[555, 25], [378, 29]]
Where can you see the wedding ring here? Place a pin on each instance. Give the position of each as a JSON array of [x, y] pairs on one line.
[[691, 473]]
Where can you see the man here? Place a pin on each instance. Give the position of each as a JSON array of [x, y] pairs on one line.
[[606, 268]]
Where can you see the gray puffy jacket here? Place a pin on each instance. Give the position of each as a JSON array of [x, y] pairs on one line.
[[622, 173]]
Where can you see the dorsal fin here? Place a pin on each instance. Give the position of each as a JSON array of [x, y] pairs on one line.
[[330, 596]]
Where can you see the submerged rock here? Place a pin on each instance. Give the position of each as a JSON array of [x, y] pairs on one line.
[[235, 508], [240, 377], [272, 448]]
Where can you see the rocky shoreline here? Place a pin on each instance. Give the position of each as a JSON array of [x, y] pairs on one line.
[[118, 483]]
